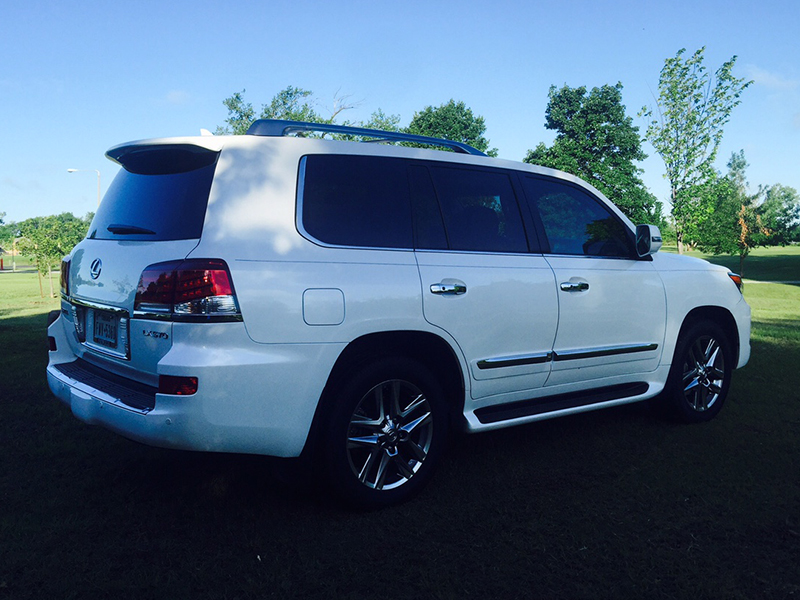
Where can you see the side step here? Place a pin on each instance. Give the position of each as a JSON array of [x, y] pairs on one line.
[[539, 406]]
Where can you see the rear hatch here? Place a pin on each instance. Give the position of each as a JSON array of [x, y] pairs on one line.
[[153, 213]]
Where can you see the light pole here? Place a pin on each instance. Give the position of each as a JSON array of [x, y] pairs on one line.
[[98, 180]]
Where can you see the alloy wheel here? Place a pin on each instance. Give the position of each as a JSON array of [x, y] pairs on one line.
[[703, 373], [390, 434]]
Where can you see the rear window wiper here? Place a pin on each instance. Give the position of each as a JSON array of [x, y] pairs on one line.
[[128, 229]]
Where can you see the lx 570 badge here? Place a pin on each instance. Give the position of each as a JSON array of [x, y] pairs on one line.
[[155, 334]]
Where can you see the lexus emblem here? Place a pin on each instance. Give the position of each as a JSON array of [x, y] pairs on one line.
[[96, 267]]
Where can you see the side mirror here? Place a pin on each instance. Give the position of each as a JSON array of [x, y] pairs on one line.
[[648, 240]]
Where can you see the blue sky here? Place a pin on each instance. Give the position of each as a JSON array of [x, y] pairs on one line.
[[77, 78]]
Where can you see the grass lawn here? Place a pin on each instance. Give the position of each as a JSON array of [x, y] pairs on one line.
[[21, 262], [611, 504], [778, 263]]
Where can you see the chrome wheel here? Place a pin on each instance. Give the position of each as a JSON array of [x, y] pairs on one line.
[[390, 434], [703, 373]]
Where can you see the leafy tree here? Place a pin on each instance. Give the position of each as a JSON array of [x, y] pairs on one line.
[[240, 115], [382, 121], [48, 239], [452, 121], [8, 231], [687, 126], [597, 142], [734, 225], [290, 104], [780, 214]]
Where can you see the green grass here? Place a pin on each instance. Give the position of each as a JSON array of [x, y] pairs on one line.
[[20, 295], [777, 263], [612, 504], [22, 262]]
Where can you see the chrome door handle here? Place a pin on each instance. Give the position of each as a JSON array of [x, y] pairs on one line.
[[569, 286], [455, 289]]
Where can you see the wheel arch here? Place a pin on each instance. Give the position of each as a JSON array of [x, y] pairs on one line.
[[429, 349], [721, 317]]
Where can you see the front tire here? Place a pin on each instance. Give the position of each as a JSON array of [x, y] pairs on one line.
[[386, 432], [701, 373]]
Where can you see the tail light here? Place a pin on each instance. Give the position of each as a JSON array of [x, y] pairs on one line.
[[197, 289], [65, 277]]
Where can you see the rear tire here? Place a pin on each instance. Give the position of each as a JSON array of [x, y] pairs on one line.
[[385, 433], [701, 372]]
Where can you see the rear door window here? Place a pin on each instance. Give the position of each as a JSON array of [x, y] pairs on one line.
[[161, 193], [480, 210]]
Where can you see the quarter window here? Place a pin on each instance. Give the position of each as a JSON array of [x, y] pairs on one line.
[[357, 201]]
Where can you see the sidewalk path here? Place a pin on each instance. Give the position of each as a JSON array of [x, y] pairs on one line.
[[25, 269]]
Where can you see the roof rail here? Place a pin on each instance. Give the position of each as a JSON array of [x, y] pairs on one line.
[[278, 128]]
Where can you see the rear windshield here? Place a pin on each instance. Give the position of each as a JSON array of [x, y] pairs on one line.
[[161, 193]]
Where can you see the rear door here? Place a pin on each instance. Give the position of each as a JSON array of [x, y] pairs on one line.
[[480, 281]]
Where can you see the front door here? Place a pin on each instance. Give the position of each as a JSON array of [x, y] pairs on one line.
[[612, 306], [612, 318]]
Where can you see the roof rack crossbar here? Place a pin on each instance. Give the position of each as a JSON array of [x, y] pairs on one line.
[[278, 128]]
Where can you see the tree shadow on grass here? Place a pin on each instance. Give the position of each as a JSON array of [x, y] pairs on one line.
[[613, 503]]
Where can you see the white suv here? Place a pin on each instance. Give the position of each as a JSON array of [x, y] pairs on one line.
[[352, 302]]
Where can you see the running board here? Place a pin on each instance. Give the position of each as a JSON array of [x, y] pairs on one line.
[[539, 406]]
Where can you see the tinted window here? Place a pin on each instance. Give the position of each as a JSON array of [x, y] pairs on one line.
[[159, 194], [575, 222], [480, 210], [428, 224], [357, 201]]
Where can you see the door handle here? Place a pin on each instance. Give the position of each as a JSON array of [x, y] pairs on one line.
[[579, 286], [455, 289]]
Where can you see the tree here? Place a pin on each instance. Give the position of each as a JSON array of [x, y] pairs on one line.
[[686, 129], [8, 231], [734, 225], [382, 121], [48, 239], [597, 142], [452, 121], [780, 214], [240, 115], [290, 104]]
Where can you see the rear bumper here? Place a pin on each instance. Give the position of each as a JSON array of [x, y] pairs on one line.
[[97, 407], [252, 398]]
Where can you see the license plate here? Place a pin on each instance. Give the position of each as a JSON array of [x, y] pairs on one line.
[[105, 329]]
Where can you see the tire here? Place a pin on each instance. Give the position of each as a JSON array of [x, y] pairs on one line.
[[701, 372], [385, 433]]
